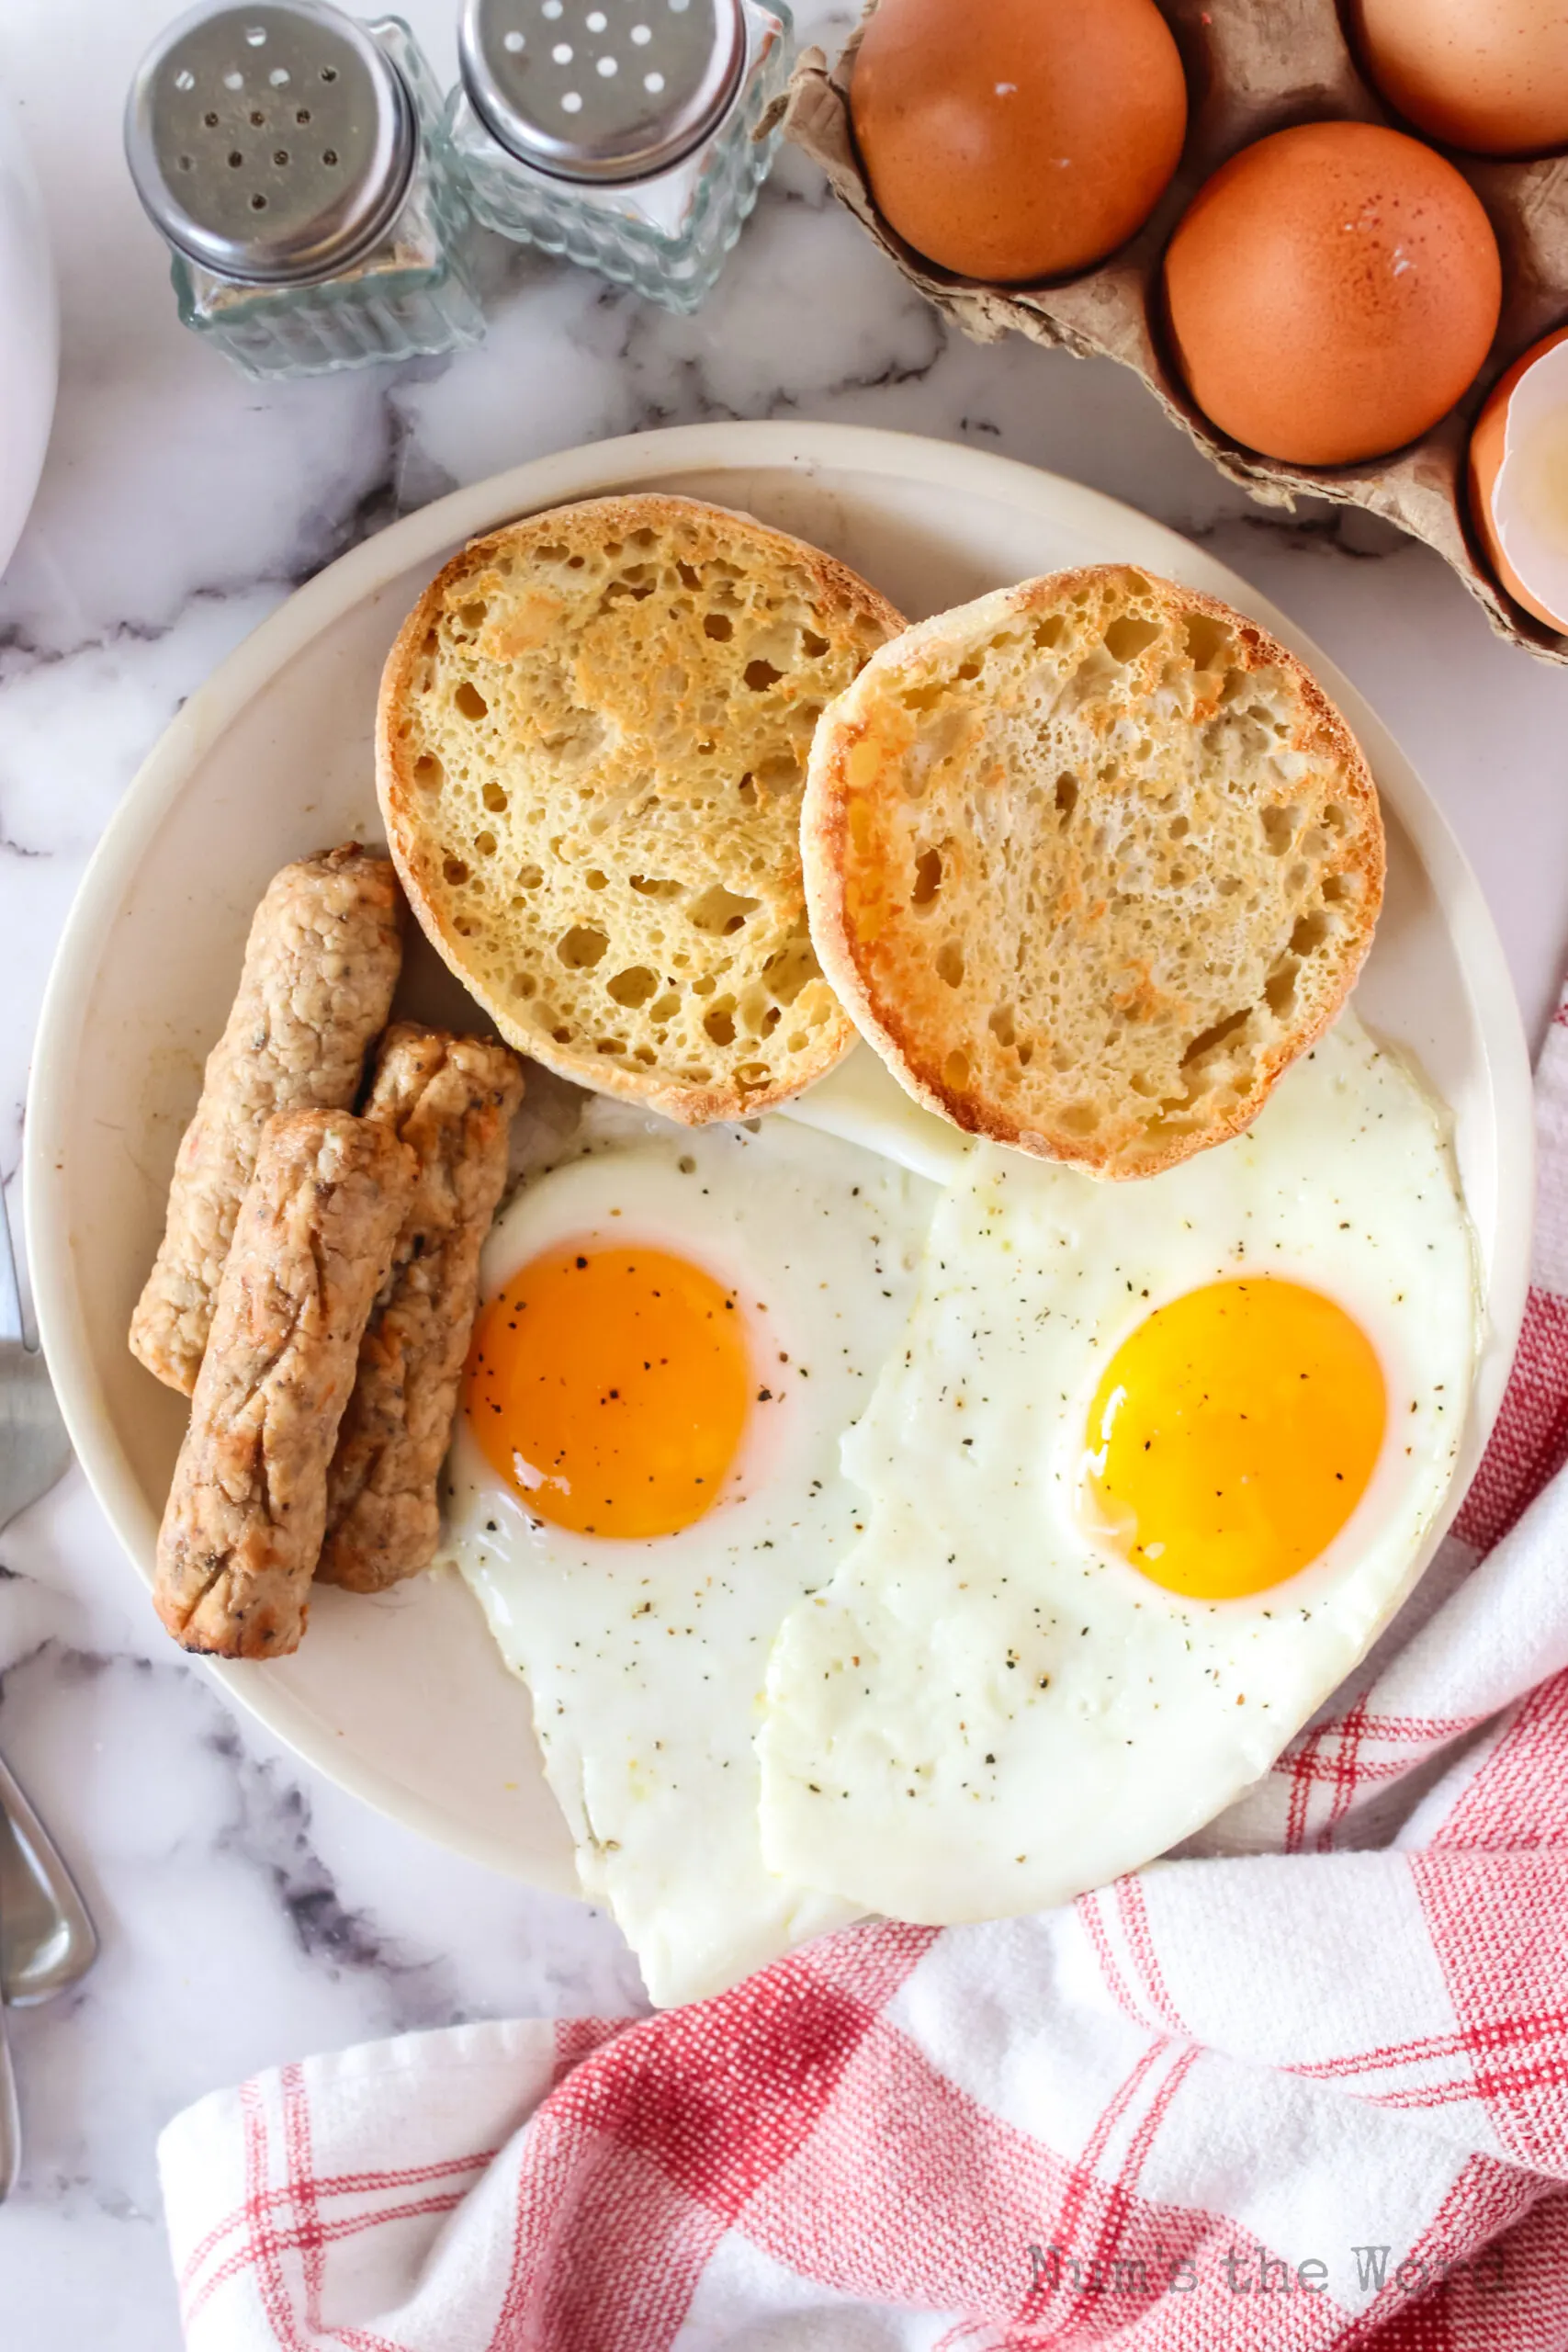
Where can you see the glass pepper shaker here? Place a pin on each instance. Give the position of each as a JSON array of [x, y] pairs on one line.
[[621, 133], [292, 158]]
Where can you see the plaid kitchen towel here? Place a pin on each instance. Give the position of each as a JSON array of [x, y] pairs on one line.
[[1306, 2085]]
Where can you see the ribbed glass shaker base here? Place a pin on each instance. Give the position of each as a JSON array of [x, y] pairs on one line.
[[667, 237], [313, 331]]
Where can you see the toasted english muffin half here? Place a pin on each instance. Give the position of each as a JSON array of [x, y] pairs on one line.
[[591, 752], [1092, 860]]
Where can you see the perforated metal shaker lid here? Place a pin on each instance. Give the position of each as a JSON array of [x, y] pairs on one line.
[[272, 143], [601, 90]]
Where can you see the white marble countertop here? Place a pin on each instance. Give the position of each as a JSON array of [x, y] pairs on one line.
[[250, 1912]]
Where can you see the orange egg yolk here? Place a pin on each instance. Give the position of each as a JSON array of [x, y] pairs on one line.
[[1232, 1435], [610, 1387]]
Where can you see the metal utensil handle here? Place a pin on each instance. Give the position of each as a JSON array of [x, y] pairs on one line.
[[75, 1946], [10, 2119], [11, 1325]]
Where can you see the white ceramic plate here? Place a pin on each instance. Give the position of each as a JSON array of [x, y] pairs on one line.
[[402, 1698], [30, 333]]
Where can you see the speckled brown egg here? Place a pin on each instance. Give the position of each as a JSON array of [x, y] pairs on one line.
[[1488, 75], [1013, 140], [1331, 292]]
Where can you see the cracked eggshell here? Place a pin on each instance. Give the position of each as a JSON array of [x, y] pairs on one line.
[[1518, 481]]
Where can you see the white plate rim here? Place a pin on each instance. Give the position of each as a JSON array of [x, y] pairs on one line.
[[586, 471]]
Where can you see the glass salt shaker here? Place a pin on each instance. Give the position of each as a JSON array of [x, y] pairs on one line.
[[292, 158], [622, 133]]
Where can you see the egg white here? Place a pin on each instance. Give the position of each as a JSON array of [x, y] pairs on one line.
[[645, 1659], [985, 1711]]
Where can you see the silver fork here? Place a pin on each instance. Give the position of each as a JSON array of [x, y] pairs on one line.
[[46, 1937]]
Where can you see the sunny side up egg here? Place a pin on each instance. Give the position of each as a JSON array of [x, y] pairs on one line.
[[676, 1329], [1152, 1465]]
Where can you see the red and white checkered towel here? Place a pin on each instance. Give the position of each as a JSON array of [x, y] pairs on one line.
[[1307, 2087]]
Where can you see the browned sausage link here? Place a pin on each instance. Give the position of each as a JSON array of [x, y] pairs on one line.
[[312, 1244], [321, 965], [453, 1099]]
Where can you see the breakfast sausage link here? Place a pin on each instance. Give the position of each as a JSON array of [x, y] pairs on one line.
[[313, 1245], [321, 964], [453, 1099]]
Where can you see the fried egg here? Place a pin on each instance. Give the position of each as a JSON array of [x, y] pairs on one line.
[[675, 1331], [1145, 1475]]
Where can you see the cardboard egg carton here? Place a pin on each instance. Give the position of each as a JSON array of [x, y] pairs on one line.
[[1253, 66]]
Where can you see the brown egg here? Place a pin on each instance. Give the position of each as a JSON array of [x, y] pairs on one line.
[[1490, 75], [1331, 292], [1018, 140], [1487, 443]]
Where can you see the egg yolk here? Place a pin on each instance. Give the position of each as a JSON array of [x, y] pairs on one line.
[[1232, 1435], [610, 1387]]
